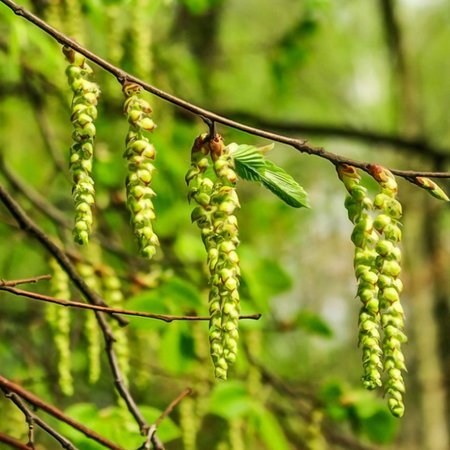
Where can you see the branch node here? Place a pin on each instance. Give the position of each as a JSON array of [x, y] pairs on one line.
[[211, 126]]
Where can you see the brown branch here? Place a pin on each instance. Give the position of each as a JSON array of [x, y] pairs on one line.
[[12, 283], [31, 419], [33, 230], [12, 442], [172, 405], [419, 146], [53, 213], [69, 303], [151, 436], [55, 412], [122, 76]]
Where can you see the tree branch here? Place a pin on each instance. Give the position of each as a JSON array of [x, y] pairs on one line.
[[53, 213], [122, 76], [12, 283], [419, 146], [12, 442], [151, 436], [55, 412], [31, 419], [33, 230], [164, 317]]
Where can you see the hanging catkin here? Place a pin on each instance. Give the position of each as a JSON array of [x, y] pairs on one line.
[[214, 214], [84, 113], [59, 320], [390, 286], [140, 154]]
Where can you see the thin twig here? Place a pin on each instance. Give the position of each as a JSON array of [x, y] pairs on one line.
[[33, 230], [172, 405], [122, 76], [32, 419], [12, 442], [419, 146], [70, 303], [55, 412], [12, 283], [53, 213]]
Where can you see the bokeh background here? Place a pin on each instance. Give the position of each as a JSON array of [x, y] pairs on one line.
[[368, 80]]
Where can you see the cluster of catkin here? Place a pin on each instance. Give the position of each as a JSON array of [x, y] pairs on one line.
[[214, 214], [140, 154], [376, 236], [84, 112]]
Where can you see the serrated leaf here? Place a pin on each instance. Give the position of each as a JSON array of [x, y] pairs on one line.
[[284, 186], [252, 166], [248, 161]]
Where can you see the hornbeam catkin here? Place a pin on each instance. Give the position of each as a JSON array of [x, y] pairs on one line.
[[91, 327], [59, 319], [214, 214], [140, 153], [364, 238], [387, 223], [84, 113], [226, 272]]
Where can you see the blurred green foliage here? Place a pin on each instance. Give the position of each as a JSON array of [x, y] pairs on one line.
[[315, 61]]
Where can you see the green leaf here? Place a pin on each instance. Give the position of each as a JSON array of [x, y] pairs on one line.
[[271, 432], [380, 427], [115, 424], [252, 166], [312, 323], [248, 161], [230, 400]]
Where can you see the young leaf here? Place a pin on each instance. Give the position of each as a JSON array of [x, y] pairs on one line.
[[248, 161], [284, 186], [252, 166], [432, 187]]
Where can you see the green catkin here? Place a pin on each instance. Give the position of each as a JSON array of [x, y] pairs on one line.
[[84, 113], [200, 189], [226, 273], [387, 223], [73, 20], [188, 423], [112, 293], [53, 13], [235, 434], [214, 215], [59, 320], [141, 39], [314, 439], [91, 330], [140, 153], [364, 238]]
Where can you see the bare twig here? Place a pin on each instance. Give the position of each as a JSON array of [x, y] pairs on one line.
[[31, 419], [69, 303], [151, 435], [12, 442], [12, 283], [122, 76], [33, 230], [55, 412], [419, 146], [172, 405], [53, 213]]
